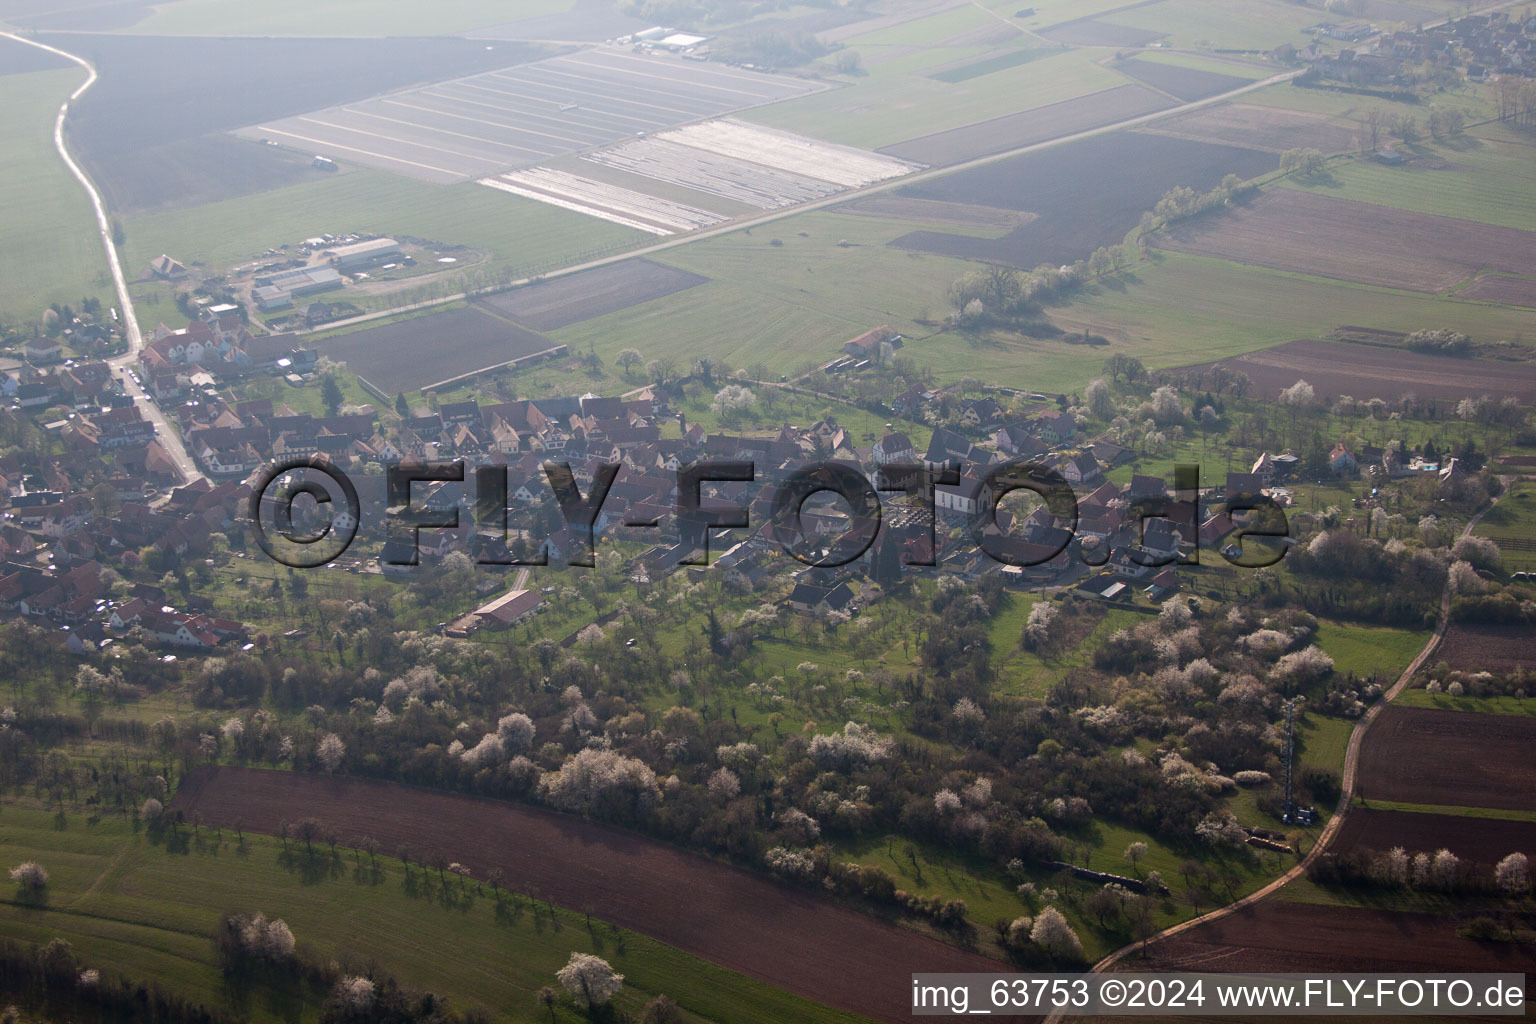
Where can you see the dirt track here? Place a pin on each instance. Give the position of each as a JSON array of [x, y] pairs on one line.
[[782, 935]]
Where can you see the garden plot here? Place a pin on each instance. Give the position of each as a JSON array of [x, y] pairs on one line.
[[600, 199]]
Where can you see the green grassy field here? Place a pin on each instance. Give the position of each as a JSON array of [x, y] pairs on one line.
[[1418, 698], [788, 305], [1512, 524], [884, 109], [1322, 741], [1180, 309], [1215, 24], [1237, 69], [1487, 180], [336, 17], [49, 243], [128, 904], [1370, 651], [520, 235]]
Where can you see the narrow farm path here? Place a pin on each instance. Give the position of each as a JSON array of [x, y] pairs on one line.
[[1347, 796]]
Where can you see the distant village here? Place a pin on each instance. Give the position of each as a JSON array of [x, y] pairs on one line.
[[1478, 46]]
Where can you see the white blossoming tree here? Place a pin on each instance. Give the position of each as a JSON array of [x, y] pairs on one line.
[[589, 979]]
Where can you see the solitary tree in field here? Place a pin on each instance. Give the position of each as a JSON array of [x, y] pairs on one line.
[[589, 979], [1135, 852], [629, 359], [547, 999]]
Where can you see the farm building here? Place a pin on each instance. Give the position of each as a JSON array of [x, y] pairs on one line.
[[271, 297], [363, 254], [301, 280], [868, 344], [507, 609], [167, 269]]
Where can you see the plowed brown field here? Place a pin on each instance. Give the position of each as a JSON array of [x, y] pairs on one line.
[[1274, 935], [1481, 840], [1451, 758], [776, 933], [1336, 368], [1490, 648], [1311, 234]]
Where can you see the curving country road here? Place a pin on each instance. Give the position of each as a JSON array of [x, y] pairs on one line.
[[169, 439], [1346, 798]]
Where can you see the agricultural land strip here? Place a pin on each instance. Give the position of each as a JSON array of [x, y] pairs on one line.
[[520, 116], [1481, 841], [1184, 84], [1336, 368], [550, 305], [1285, 229], [771, 931], [1087, 193], [1478, 760], [416, 353], [1011, 131], [1257, 127]]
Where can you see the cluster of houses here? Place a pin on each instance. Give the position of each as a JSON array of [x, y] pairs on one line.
[[1481, 45], [54, 562], [215, 346]]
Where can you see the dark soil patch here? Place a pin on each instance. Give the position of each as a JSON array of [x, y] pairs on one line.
[[1088, 193], [550, 305], [141, 128], [1457, 758], [1335, 368], [1352, 241], [1480, 840], [1012, 131], [427, 350], [1273, 935], [779, 934], [1492, 648], [1188, 84], [1511, 291]]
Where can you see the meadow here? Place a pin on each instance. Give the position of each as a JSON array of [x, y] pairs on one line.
[[48, 236], [1486, 179], [882, 109]]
